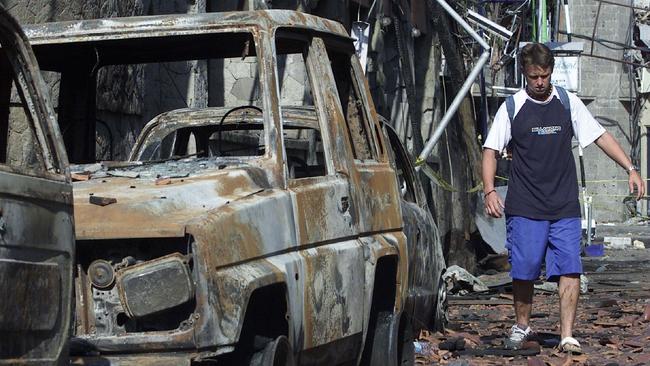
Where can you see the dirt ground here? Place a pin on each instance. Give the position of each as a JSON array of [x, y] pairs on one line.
[[613, 324]]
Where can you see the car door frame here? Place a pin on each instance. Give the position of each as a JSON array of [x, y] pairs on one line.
[[36, 223]]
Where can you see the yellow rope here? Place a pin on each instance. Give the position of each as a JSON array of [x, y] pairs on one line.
[[442, 183]]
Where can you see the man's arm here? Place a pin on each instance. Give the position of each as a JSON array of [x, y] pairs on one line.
[[610, 146], [493, 203]]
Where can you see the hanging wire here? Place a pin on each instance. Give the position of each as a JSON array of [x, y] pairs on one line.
[[372, 7], [519, 9]]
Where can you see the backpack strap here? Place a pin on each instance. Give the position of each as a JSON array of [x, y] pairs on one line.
[[564, 98], [510, 107]]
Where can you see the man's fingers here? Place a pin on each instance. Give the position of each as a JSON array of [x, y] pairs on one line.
[[641, 186], [636, 181], [492, 209], [642, 189], [493, 205], [639, 191]]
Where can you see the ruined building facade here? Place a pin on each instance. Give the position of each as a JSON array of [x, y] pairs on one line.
[[403, 68]]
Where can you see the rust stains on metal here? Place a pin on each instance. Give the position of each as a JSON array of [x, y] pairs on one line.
[[229, 218], [137, 211]]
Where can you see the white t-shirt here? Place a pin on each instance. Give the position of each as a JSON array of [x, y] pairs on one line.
[[585, 127]]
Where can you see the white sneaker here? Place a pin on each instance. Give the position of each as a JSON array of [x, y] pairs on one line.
[[517, 337]]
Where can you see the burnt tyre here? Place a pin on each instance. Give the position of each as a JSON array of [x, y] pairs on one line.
[[391, 341], [440, 313], [278, 352]]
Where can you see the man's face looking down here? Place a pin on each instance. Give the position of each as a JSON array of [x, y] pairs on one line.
[[538, 81]]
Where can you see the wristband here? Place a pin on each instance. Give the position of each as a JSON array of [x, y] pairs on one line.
[[487, 194]]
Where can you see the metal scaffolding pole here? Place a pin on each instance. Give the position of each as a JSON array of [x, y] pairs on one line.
[[463, 90]]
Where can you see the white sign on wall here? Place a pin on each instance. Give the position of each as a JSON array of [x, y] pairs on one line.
[[360, 33], [566, 72]]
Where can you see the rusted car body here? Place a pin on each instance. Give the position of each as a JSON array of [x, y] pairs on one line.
[[235, 232]]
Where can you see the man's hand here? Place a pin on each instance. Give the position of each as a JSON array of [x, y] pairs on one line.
[[611, 147], [493, 204], [635, 181]]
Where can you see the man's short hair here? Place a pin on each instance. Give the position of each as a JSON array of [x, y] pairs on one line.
[[536, 54]]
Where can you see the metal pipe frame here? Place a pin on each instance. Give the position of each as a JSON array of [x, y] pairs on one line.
[[463, 90]]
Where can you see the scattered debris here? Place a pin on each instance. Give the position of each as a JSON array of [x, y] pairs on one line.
[[601, 269], [491, 301], [421, 348], [534, 361], [497, 262], [459, 281], [453, 344], [120, 164], [552, 286], [584, 284], [611, 325], [638, 244], [547, 286], [101, 201], [163, 181], [496, 280], [617, 242], [124, 173], [80, 176]]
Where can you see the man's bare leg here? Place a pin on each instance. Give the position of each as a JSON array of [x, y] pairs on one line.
[[522, 292], [569, 289]]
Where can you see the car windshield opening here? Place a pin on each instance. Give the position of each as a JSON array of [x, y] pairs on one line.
[[202, 90]]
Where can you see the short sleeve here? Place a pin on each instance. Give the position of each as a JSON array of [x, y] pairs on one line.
[[499, 135], [585, 127]]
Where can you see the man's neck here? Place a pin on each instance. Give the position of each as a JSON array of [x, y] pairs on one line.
[[544, 97]]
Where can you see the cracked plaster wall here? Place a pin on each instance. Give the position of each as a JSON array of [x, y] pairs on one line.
[[605, 91]]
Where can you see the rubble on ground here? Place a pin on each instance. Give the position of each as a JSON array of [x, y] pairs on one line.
[[613, 321]]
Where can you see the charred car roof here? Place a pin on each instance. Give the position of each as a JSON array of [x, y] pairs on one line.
[[174, 25], [65, 45]]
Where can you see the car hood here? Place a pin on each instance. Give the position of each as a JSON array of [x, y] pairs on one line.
[[123, 207]]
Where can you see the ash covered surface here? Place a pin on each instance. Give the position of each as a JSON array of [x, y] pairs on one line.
[[168, 169], [612, 325]]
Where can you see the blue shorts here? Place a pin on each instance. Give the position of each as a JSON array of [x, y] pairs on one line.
[[529, 241]]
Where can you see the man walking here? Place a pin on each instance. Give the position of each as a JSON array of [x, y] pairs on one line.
[[542, 209]]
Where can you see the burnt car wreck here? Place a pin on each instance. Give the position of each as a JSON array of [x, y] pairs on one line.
[[274, 231]]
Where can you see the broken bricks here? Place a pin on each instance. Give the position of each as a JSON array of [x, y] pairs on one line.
[[612, 319], [101, 201]]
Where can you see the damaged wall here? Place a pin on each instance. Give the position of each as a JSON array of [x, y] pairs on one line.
[[605, 89], [123, 92]]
